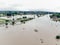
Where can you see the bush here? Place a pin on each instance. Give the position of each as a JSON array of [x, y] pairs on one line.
[[22, 21], [25, 17]]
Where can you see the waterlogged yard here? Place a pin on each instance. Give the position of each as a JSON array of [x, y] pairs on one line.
[[55, 17], [2, 21]]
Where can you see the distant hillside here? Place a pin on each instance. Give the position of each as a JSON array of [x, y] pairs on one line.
[[27, 12]]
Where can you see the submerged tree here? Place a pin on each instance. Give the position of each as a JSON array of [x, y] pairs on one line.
[[57, 37], [13, 21], [6, 23]]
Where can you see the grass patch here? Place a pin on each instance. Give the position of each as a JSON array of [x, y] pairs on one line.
[[2, 21]]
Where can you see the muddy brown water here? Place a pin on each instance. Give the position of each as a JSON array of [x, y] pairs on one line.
[[25, 34]]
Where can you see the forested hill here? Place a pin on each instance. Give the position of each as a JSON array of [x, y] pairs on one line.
[[27, 12]]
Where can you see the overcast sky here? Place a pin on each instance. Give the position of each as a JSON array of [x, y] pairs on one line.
[[49, 5]]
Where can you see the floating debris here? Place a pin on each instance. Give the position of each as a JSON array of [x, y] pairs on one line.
[[56, 44], [23, 28], [41, 40], [36, 30]]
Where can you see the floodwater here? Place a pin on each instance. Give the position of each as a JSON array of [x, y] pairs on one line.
[[39, 31]]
